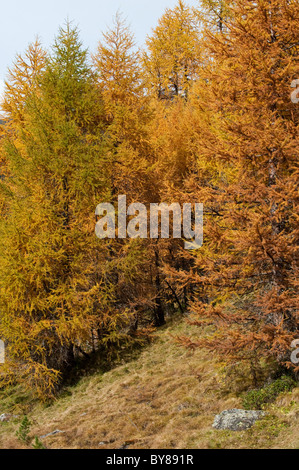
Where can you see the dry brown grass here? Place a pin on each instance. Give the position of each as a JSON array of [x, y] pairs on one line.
[[165, 398]]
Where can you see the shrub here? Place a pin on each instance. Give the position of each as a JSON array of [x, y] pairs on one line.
[[37, 444], [24, 429], [255, 399]]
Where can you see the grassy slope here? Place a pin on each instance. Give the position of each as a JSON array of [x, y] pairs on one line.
[[164, 398]]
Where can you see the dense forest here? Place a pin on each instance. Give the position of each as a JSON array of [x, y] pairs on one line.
[[206, 112]]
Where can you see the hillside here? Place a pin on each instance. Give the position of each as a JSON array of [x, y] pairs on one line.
[[164, 397]]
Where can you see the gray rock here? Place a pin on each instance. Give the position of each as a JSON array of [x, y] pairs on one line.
[[57, 431], [237, 420], [7, 417]]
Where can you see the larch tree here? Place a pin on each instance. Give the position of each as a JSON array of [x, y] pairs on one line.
[[57, 298], [23, 80], [129, 116], [214, 14], [172, 54], [117, 64], [245, 141], [171, 63]]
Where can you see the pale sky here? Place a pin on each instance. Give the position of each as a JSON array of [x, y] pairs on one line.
[[22, 20]]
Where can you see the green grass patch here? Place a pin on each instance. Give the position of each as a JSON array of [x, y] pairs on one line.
[[257, 399]]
